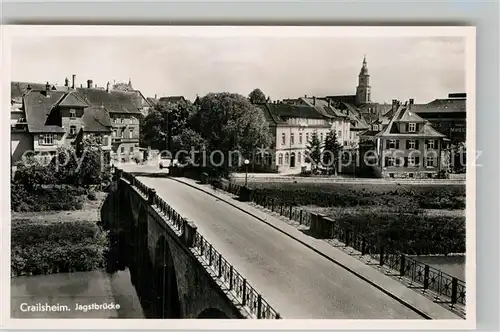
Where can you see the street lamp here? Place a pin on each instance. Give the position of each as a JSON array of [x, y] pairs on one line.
[[246, 171]]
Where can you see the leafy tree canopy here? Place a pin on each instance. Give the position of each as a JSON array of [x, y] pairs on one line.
[[332, 151], [229, 122], [165, 120], [257, 97], [313, 152]]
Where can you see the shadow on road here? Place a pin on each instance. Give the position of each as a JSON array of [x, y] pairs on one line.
[[151, 175]]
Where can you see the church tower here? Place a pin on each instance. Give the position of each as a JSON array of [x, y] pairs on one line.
[[363, 90]]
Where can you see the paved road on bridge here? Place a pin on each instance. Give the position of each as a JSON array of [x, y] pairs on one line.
[[296, 281]]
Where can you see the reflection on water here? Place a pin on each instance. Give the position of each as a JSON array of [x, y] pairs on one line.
[[453, 265], [126, 295]]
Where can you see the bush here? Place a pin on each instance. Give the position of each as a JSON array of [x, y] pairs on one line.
[[52, 198], [342, 195], [409, 233], [44, 248]]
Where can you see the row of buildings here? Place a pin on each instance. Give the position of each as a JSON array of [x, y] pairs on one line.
[[404, 139], [45, 117], [381, 140]]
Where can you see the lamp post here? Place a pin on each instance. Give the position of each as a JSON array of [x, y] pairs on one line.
[[246, 171]]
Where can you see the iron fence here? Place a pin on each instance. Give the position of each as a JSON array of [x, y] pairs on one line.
[[235, 282], [430, 278], [225, 272]]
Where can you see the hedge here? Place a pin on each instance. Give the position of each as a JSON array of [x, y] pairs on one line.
[[413, 234], [34, 232], [44, 248], [330, 195], [51, 198]]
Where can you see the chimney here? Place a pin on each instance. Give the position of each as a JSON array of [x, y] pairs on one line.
[[412, 101], [28, 88], [107, 87], [66, 82], [305, 96], [89, 84], [95, 86], [314, 100], [81, 85], [394, 105], [156, 96], [73, 83]]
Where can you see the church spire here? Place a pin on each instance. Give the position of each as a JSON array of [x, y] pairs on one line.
[[363, 90], [364, 68]]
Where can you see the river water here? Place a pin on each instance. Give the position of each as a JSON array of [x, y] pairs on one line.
[[453, 265], [70, 289]]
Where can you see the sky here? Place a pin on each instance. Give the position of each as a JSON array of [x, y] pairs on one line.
[[400, 68]]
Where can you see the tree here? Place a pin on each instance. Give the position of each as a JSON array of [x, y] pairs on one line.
[[120, 86], [229, 123], [163, 123], [313, 152], [188, 141], [257, 97], [332, 151]]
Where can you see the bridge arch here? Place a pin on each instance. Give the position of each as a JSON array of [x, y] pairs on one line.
[[165, 282], [212, 313]]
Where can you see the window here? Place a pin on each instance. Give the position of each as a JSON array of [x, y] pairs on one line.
[[287, 158], [411, 161], [429, 175], [105, 141], [72, 130], [300, 138], [307, 137], [72, 113], [411, 144], [258, 158], [391, 175], [47, 139], [131, 149], [122, 149], [283, 138], [292, 138], [412, 127], [114, 133], [321, 137], [431, 144], [430, 161], [389, 161], [345, 143], [280, 159], [299, 157], [410, 175], [339, 134], [131, 133], [392, 144]]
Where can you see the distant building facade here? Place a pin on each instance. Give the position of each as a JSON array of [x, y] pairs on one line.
[[407, 147], [45, 117]]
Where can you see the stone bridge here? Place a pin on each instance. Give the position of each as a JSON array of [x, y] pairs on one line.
[[176, 272]]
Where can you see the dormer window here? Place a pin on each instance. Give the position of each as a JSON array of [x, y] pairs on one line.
[[72, 114], [72, 130], [412, 127]]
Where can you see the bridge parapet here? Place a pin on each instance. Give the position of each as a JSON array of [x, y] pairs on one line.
[[234, 285]]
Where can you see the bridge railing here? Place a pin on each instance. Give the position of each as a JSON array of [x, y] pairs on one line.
[[225, 272], [441, 283], [244, 292]]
